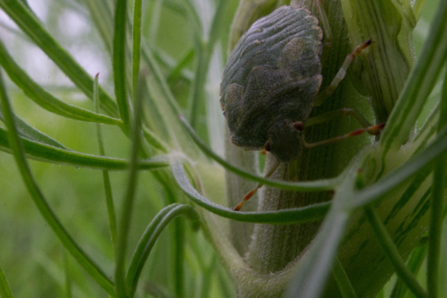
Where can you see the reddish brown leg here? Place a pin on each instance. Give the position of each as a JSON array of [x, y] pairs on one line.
[[329, 90], [254, 190]]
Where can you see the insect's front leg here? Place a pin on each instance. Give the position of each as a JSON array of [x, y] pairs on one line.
[[329, 90]]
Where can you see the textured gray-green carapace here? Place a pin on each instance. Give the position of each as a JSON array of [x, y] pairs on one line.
[[271, 81]]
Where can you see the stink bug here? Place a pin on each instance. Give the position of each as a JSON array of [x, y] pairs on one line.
[[271, 83]]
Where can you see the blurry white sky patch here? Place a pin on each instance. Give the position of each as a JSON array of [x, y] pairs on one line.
[[72, 32], [215, 119], [40, 8], [205, 11], [72, 25]]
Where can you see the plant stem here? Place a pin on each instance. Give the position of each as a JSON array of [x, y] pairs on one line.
[[414, 264], [119, 60], [136, 47], [127, 207], [274, 247], [105, 173]]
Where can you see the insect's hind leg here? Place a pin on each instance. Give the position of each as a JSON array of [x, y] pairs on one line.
[[336, 114], [329, 90], [373, 130]]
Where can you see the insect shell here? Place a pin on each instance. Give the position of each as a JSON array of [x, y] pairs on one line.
[[271, 81]]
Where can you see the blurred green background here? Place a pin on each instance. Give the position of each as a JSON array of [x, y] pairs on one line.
[[31, 256]]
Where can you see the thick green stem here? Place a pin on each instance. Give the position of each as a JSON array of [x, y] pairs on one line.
[[274, 247], [247, 13]]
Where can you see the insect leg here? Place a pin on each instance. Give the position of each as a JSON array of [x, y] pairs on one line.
[[329, 90], [336, 114], [373, 130], [254, 190]]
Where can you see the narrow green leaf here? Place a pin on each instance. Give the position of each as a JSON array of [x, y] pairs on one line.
[[45, 99], [203, 51], [286, 216], [417, 8], [342, 279], [195, 100], [428, 130], [316, 263], [160, 79], [150, 236], [418, 86], [320, 185], [29, 132], [217, 24], [414, 264], [154, 23], [50, 154], [136, 48], [47, 213], [105, 174], [154, 140], [127, 206], [119, 60], [5, 290], [390, 250], [32, 27], [177, 69], [171, 63]]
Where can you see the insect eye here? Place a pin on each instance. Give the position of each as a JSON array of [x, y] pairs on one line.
[[298, 125], [267, 146]]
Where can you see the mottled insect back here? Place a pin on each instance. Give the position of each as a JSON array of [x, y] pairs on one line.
[[271, 81]]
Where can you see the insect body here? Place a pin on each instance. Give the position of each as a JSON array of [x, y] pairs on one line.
[[271, 81]]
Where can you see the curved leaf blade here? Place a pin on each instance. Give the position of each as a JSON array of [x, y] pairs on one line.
[[29, 132], [320, 185], [286, 216], [45, 99], [316, 263], [150, 236]]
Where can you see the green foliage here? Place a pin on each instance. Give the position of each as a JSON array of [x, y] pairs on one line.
[[157, 157]]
